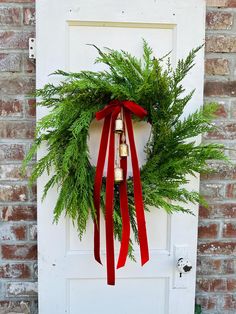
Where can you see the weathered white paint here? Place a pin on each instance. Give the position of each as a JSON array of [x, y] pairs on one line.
[[69, 279], [20, 289]]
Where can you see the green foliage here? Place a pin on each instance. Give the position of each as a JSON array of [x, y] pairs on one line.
[[198, 309], [172, 151]]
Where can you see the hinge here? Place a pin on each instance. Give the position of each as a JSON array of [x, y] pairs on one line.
[[32, 48]]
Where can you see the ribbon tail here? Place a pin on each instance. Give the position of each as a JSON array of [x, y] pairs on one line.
[[138, 199], [124, 208], [98, 185], [109, 207]]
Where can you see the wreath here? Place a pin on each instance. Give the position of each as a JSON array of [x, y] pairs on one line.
[[146, 89]]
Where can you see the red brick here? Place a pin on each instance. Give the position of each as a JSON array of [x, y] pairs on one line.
[[215, 88], [231, 190], [10, 16], [204, 212], [207, 302], [19, 252], [222, 171], [10, 307], [22, 289], [208, 231], [13, 86], [219, 20], [231, 284], [229, 302], [12, 232], [15, 193], [222, 111], [29, 16], [228, 267], [17, 130], [231, 4], [220, 43], [15, 39], [16, 271], [216, 284], [20, 232], [212, 285], [31, 107], [9, 152], [17, 1], [224, 131], [29, 65], [217, 3], [227, 210], [13, 172], [229, 230], [18, 213], [217, 66], [10, 108], [208, 266], [217, 247], [10, 62], [16, 126], [212, 191]]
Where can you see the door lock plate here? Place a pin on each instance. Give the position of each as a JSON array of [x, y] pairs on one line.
[[180, 280]]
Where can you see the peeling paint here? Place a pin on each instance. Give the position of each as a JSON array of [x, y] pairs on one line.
[[7, 213], [22, 288], [22, 197]]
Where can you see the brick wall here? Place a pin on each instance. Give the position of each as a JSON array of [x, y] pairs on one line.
[[216, 274], [216, 277], [17, 201]]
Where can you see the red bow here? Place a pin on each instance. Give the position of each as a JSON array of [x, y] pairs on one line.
[[110, 114]]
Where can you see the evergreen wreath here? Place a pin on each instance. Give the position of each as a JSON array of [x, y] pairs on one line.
[[169, 156]]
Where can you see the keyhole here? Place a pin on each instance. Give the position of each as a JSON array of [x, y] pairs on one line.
[[180, 275]]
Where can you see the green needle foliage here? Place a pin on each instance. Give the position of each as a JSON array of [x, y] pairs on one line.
[[172, 151]]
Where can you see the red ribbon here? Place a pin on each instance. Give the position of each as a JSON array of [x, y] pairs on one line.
[[109, 114]]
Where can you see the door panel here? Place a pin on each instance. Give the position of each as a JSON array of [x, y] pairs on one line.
[[154, 302], [70, 281], [116, 36]]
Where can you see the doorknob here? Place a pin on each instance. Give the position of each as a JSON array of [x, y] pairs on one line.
[[184, 266]]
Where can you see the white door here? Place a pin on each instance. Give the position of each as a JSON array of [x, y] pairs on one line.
[[70, 281]]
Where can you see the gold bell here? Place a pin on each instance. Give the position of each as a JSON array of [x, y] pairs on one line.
[[118, 175], [119, 127], [123, 150]]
